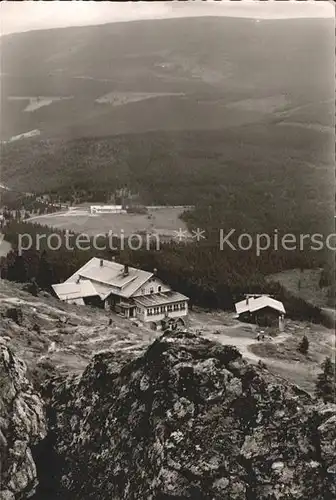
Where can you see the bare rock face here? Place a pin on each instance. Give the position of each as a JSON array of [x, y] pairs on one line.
[[189, 419], [22, 426]]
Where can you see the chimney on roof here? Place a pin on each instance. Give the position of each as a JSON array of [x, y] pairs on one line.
[[247, 300], [101, 262], [126, 272], [154, 270], [113, 258]]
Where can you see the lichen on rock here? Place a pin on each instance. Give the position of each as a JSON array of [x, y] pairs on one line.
[[22, 426], [188, 419]]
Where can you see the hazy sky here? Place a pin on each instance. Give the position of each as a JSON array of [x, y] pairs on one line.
[[28, 15]]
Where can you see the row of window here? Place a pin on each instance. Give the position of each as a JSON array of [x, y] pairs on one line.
[[152, 311]]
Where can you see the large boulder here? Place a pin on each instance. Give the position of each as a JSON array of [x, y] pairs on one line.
[[15, 314], [22, 426], [188, 419]]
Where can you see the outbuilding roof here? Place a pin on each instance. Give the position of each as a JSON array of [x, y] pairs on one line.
[[255, 304], [69, 291]]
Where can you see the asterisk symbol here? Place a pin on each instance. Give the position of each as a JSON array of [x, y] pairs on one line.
[[198, 234], [180, 234]]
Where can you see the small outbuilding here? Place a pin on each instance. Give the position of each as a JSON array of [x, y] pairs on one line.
[[262, 310]]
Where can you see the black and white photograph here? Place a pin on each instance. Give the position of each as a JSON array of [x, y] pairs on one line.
[[167, 250]]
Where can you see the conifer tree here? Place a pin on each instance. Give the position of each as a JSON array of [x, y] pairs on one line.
[[304, 345], [44, 274], [17, 270], [325, 385]]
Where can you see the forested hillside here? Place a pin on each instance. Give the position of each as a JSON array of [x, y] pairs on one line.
[[246, 178]]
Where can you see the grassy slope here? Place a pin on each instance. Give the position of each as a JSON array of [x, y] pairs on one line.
[[62, 335], [305, 285]]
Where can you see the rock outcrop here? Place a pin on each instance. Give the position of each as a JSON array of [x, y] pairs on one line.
[[22, 427], [188, 419]]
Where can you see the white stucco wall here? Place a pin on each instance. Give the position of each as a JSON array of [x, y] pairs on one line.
[[181, 313], [154, 284]]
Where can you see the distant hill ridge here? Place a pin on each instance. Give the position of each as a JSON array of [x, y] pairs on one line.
[[213, 61]]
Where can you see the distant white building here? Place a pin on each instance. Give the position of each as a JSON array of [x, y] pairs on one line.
[[106, 209], [132, 292]]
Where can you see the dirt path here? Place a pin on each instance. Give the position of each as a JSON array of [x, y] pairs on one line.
[[244, 343], [53, 214], [302, 375], [223, 328]]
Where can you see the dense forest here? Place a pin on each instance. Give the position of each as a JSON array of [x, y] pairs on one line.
[[244, 178]]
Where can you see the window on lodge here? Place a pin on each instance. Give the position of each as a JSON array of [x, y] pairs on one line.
[[176, 307], [182, 305], [153, 310], [162, 309], [169, 308]]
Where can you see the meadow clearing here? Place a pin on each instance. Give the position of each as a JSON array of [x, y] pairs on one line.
[[163, 221]]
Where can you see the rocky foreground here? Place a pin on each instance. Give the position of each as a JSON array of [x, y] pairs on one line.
[[22, 426], [186, 419]]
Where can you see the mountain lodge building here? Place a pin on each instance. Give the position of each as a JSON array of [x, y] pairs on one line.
[[131, 292]]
